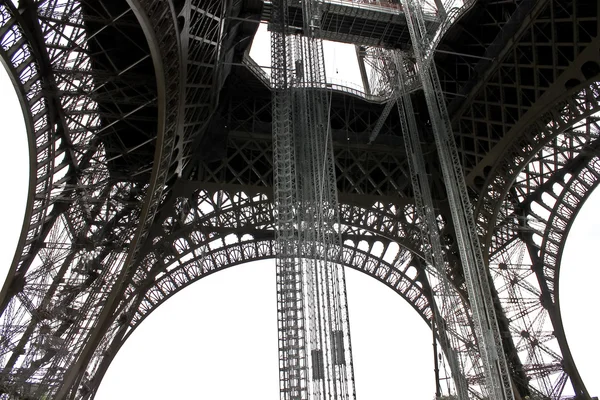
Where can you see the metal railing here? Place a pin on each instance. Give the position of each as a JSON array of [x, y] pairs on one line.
[[337, 85]]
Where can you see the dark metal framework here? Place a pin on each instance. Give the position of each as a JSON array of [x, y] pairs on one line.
[[151, 167]]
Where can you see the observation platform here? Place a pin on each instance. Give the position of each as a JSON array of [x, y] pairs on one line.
[[380, 23]]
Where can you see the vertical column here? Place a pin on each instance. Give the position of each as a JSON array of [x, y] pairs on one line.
[[293, 364], [447, 301], [314, 338], [474, 267]]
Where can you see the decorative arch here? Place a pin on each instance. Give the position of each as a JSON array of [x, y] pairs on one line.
[[563, 201], [400, 273], [526, 267], [402, 277], [214, 229], [578, 106], [64, 258]]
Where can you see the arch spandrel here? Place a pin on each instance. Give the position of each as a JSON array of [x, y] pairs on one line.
[[550, 186]]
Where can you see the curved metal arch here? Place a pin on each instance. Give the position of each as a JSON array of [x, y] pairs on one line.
[[201, 265], [557, 157], [206, 263], [576, 106], [558, 109], [573, 196], [588, 181], [211, 218], [539, 230], [215, 215], [158, 22], [535, 193], [17, 57], [222, 241], [568, 202]]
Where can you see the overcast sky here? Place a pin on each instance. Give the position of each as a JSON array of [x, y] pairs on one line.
[[218, 338]]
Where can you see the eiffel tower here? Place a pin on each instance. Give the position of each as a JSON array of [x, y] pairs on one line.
[[151, 135]]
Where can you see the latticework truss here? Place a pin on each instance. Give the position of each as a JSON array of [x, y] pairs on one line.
[[151, 161]]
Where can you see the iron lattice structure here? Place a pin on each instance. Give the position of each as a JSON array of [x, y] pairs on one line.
[[151, 159]]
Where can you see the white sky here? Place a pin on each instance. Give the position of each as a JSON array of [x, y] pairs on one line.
[[218, 338]]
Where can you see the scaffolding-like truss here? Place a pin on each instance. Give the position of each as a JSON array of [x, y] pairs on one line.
[[497, 374], [152, 166], [314, 338]]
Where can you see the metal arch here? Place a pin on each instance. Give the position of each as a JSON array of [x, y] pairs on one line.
[[184, 275], [577, 106], [547, 258], [357, 214], [213, 215], [527, 283], [218, 213], [17, 57], [64, 231], [210, 240], [562, 155], [550, 164], [159, 24], [545, 201], [238, 253], [556, 146], [216, 260], [573, 196]]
